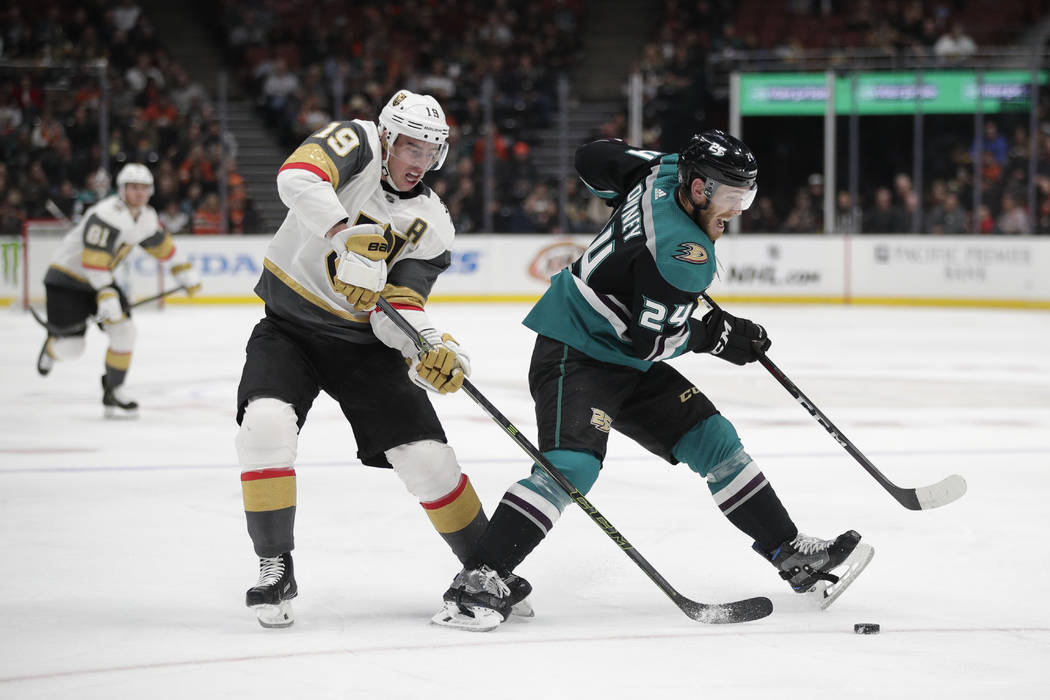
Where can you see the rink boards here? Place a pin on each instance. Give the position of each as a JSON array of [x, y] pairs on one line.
[[872, 269]]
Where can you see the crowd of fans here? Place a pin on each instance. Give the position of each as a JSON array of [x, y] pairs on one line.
[[932, 34], [306, 64], [305, 68], [51, 89]]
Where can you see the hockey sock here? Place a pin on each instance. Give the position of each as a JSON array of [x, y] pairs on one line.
[[117, 364], [269, 506], [764, 519], [458, 517], [508, 539]]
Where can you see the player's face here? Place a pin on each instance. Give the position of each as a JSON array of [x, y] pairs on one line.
[[410, 159], [723, 203], [136, 194]]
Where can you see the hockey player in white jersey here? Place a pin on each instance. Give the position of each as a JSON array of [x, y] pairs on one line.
[[360, 224], [80, 284]]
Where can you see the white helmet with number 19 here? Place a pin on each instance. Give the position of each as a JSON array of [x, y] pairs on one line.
[[418, 116], [137, 173]]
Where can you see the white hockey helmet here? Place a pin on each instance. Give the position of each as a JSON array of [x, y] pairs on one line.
[[137, 173], [418, 116]]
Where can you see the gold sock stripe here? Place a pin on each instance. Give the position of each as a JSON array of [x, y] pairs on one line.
[[268, 489], [118, 360], [455, 511]]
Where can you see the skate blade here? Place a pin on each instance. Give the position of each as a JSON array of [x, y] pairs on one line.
[[523, 608], [275, 616], [475, 620], [115, 413], [825, 594]]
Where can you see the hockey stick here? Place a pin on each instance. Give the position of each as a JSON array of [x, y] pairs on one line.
[[77, 327], [949, 489], [717, 613]]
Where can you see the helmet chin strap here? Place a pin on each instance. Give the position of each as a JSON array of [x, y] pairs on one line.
[[385, 167]]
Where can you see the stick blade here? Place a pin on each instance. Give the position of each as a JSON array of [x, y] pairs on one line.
[[942, 493], [726, 613]]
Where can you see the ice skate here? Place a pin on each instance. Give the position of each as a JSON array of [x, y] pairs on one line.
[[44, 362], [271, 597], [116, 402], [519, 592], [807, 564], [479, 600]]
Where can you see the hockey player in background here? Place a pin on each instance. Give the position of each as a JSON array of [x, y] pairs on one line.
[[607, 325], [360, 224], [81, 288]]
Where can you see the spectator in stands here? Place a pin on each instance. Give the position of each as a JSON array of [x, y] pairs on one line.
[[207, 218], [172, 218], [847, 215], [1042, 212], [948, 217], [955, 45], [126, 15], [518, 175], [64, 200], [803, 216], [243, 216], [35, 191], [279, 90], [885, 216], [12, 214], [1013, 217], [985, 220], [761, 218], [993, 143], [139, 76]]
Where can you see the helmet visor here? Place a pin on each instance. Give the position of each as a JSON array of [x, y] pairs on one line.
[[723, 197], [419, 153]]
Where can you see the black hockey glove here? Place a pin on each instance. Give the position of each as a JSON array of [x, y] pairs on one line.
[[735, 340]]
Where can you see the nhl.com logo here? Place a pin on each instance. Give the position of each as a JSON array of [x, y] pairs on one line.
[[553, 258]]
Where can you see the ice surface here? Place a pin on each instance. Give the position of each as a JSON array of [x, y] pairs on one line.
[[125, 556]]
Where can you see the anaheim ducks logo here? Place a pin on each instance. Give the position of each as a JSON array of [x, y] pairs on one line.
[[692, 253], [399, 99]]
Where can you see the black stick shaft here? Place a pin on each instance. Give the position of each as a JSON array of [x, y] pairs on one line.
[[699, 611], [77, 327], [905, 496]]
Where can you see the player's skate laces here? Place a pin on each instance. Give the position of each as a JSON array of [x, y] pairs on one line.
[[271, 595], [480, 599], [805, 561]]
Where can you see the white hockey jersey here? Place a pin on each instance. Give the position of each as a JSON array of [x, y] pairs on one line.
[[335, 176], [102, 239]]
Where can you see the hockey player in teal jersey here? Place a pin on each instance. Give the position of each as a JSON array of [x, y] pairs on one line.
[[606, 327]]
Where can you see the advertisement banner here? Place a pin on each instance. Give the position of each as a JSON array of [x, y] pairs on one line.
[[904, 269], [763, 266], [939, 92], [951, 268]]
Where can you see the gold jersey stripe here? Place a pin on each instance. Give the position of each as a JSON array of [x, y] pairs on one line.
[[164, 249], [313, 154], [176, 269], [402, 295], [456, 515], [261, 495], [96, 259], [310, 296], [69, 273], [118, 360]]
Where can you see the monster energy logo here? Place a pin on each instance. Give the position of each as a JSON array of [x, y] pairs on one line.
[[12, 253]]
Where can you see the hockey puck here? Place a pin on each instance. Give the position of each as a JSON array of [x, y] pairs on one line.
[[866, 628]]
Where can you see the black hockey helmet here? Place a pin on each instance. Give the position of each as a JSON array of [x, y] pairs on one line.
[[715, 155]]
